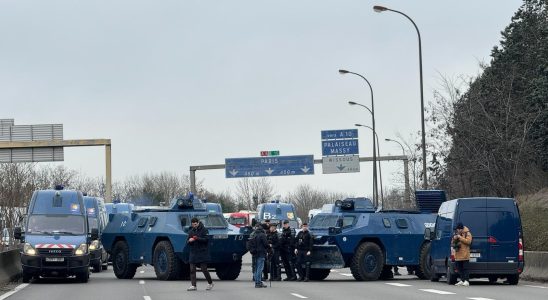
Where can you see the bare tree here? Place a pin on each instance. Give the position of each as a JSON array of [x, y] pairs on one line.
[[251, 192], [306, 198]]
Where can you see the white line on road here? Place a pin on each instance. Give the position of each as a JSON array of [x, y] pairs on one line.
[[479, 298], [17, 289], [299, 296], [537, 286], [142, 272], [147, 297], [335, 271], [141, 282], [437, 292], [346, 274], [397, 284]]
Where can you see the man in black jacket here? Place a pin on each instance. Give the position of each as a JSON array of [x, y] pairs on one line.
[[261, 246], [287, 248], [304, 250], [199, 252], [274, 253]]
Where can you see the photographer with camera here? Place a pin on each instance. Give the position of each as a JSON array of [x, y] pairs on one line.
[[462, 239]]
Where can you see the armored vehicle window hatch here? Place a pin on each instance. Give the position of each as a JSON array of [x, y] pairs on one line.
[[324, 221], [386, 222], [142, 222], [348, 221], [401, 223], [152, 221]]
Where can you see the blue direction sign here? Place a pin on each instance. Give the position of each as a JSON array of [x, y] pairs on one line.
[[339, 134], [269, 166], [340, 147]]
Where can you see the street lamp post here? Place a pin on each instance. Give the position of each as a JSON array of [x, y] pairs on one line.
[[379, 154], [380, 9], [372, 110], [405, 171]]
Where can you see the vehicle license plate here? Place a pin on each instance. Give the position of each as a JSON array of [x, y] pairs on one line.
[[55, 259], [475, 255]]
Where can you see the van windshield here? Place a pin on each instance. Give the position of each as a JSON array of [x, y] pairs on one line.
[[93, 223], [49, 224]]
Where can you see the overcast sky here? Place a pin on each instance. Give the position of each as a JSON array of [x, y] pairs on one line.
[[179, 83]]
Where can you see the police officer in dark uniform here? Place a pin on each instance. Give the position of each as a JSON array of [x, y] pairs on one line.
[[304, 250], [274, 253], [287, 248]]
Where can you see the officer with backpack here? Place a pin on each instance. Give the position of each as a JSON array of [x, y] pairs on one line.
[[257, 246], [304, 250]]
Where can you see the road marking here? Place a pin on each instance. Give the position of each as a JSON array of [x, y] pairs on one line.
[[479, 298], [336, 271], [397, 284], [437, 292], [147, 297], [141, 282], [537, 286], [17, 289], [299, 296], [142, 272], [346, 274]]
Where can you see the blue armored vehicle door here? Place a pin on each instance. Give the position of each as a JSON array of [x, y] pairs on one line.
[[136, 240]]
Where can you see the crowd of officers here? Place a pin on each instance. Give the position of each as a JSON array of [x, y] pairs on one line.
[[271, 247]]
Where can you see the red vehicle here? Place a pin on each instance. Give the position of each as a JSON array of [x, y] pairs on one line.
[[242, 218]]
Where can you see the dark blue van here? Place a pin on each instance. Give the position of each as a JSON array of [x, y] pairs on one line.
[[97, 219], [56, 238], [497, 244]]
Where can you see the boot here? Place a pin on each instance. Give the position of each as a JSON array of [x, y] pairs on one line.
[[307, 273]]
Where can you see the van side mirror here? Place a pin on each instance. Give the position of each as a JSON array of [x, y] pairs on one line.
[[17, 233], [94, 234], [186, 229]]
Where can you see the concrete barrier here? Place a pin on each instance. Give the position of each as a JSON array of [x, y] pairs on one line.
[[10, 265], [536, 266]]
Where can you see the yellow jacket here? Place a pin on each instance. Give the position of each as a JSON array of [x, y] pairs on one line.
[[465, 239]]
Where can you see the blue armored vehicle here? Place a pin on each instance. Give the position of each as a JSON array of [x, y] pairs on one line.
[[158, 237], [57, 238], [369, 241]]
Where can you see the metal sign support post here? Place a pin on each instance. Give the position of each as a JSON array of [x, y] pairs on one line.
[[72, 143]]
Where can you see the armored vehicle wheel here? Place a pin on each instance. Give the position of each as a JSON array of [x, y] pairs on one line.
[[166, 264], [367, 263], [120, 261], [83, 276], [424, 271], [228, 271], [451, 277], [319, 274], [513, 279], [386, 273]]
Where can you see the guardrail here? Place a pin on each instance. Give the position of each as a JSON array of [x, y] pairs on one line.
[[10, 265], [536, 266]]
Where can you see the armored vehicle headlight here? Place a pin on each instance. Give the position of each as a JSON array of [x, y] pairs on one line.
[[28, 249], [83, 249], [94, 245]]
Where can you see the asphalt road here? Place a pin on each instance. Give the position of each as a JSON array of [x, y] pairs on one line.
[[339, 285]]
